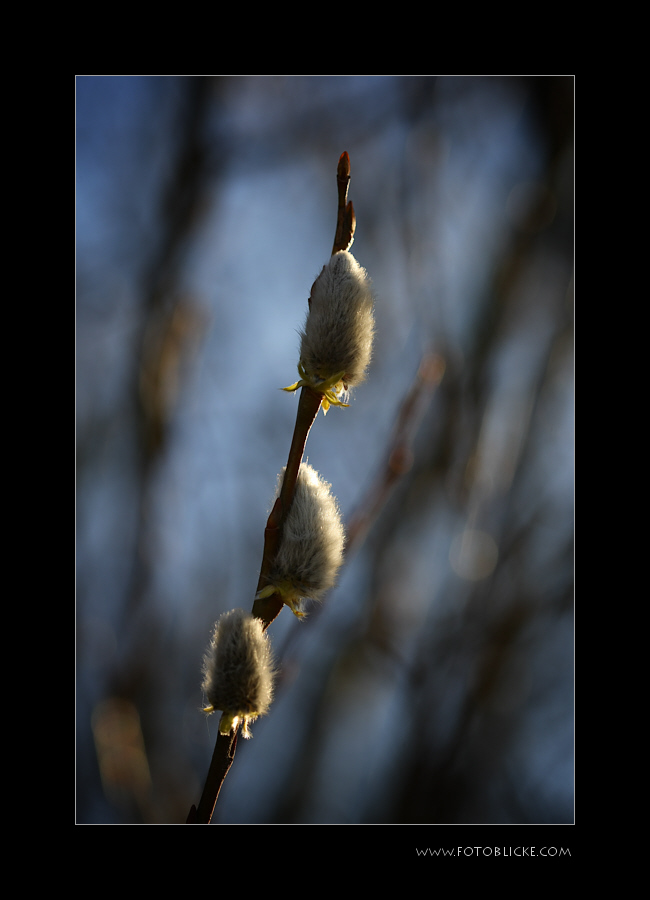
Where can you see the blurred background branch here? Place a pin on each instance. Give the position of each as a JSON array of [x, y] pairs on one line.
[[442, 662]]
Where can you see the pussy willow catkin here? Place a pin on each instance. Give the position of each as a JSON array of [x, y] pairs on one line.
[[311, 549], [336, 341], [238, 671]]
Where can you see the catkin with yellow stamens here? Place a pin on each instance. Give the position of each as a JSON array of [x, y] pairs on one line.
[[238, 671], [336, 341], [311, 549]]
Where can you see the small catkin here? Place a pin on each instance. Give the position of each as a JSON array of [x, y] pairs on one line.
[[313, 538], [238, 671], [339, 329]]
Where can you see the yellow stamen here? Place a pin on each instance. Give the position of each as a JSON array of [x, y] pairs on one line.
[[330, 388], [289, 595]]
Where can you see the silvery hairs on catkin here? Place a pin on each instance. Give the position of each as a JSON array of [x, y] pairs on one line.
[[313, 539], [339, 329], [238, 670]]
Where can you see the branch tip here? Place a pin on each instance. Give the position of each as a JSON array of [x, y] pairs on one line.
[[346, 220]]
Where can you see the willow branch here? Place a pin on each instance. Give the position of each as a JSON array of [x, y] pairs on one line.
[[268, 608]]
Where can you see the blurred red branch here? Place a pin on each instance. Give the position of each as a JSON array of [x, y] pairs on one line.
[[399, 455]]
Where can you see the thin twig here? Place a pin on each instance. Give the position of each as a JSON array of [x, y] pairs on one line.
[[222, 759], [268, 608]]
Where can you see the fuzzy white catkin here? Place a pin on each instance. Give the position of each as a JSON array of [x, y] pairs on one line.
[[238, 669], [313, 538], [339, 329]]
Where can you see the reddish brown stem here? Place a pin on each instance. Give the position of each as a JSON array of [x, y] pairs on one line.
[[222, 758], [309, 403]]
